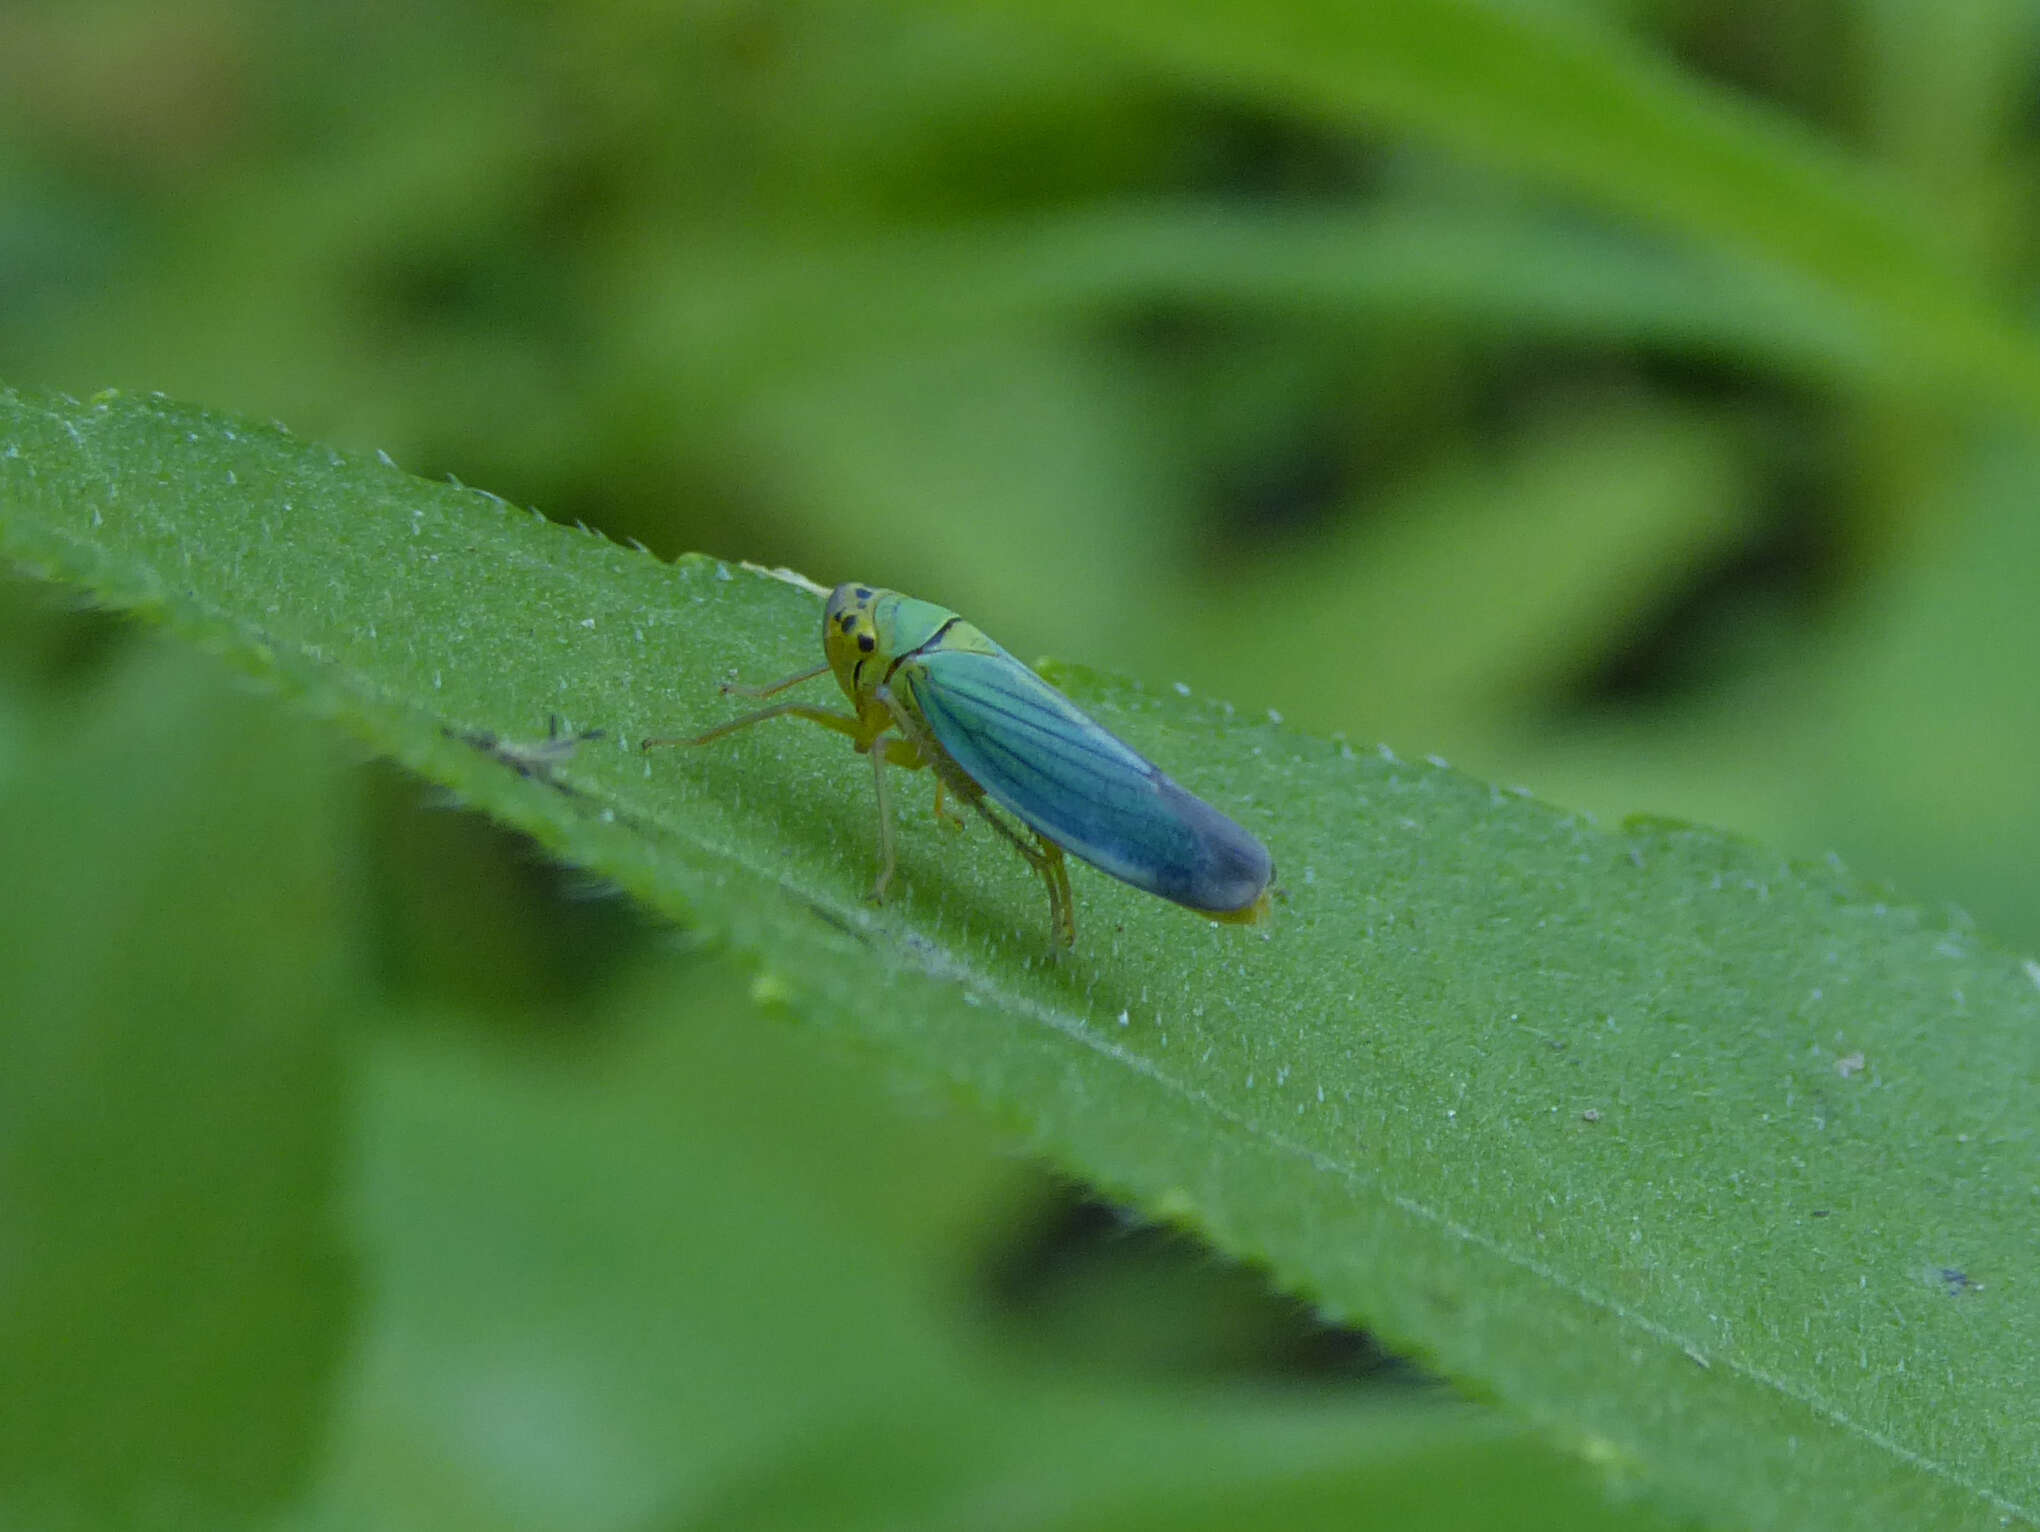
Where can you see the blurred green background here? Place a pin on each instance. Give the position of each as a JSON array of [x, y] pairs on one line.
[[457, 1197]]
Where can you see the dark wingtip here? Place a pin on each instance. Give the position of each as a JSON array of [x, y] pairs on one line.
[[1233, 871]]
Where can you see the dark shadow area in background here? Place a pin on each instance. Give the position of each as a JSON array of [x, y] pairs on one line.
[[1085, 1283]]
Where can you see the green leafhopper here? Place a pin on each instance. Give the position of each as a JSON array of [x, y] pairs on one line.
[[928, 689]]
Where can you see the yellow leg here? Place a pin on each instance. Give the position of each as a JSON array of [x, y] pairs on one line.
[[898, 752], [942, 813], [1046, 858], [885, 841], [1057, 873], [771, 688], [902, 752], [828, 718], [867, 738]]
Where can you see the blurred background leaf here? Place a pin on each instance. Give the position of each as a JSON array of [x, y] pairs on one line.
[[175, 1281], [1631, 399]]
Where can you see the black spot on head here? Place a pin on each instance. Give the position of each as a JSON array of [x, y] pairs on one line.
[[866, 642], [847, 622], [864, 593]]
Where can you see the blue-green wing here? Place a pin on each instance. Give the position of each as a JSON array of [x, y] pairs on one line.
[[1034, 752]]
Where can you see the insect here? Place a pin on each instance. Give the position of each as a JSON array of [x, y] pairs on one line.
[[536, 759], [928, 689]]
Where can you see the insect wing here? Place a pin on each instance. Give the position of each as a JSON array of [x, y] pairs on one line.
[[1036, 753]]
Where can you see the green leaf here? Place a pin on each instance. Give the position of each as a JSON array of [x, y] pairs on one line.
[[739, 319], [707, 1276], [1719, 1168], [1548, 553], [1554, 94], [174, 1296]]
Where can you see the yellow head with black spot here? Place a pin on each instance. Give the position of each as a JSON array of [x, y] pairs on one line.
[[850, 638]]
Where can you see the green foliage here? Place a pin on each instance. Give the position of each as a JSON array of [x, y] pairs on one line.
[[1562, 98], [675, 1361], [170, 1070], [1633, 399], [1681, 1152]]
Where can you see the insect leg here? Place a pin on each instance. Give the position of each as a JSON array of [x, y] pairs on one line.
[[1045, 858], [884, 752], [941, 813], [1057, 873], [772, 688], [828, 718], [885, 840]]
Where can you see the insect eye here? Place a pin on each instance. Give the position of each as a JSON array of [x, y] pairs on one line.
[[847, 622]]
